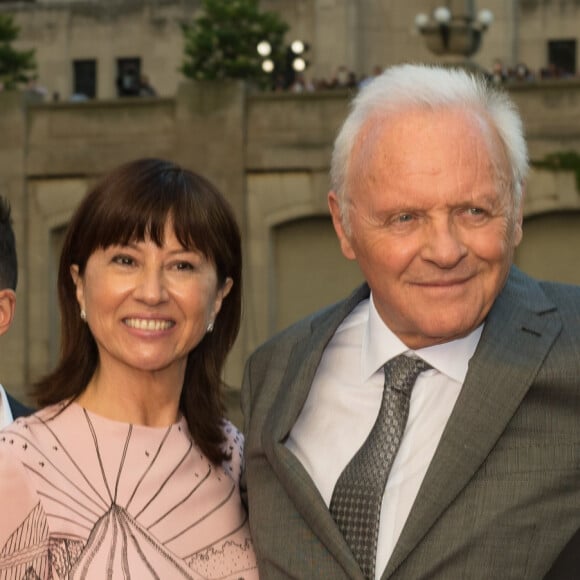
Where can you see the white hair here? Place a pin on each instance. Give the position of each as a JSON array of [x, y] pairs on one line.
[[408, 86]]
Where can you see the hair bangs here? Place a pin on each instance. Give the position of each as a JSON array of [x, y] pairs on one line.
[[202, 224]]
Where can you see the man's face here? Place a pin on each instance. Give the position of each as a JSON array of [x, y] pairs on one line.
[[431, 228]]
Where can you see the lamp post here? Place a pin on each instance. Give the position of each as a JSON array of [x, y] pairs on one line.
[[454, 33], [293, 61]]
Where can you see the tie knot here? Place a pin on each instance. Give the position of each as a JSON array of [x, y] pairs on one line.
[[402, 372]]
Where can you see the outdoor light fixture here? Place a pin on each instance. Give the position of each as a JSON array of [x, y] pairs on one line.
[[264, 48], [297, 47], [447, 33], [295, 56], [268, 65], [293, 61]]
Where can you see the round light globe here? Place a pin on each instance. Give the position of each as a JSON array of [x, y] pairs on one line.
[[264, 48], [421, 20], [442, 15], [299, 64], [485, 17], [297, 47]]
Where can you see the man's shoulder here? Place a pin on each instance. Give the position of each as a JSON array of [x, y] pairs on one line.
[[562, 293], [541, 294], [18, 409], [15, 408], [525, 299]]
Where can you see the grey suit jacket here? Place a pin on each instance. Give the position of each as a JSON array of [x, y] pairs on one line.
[[501, 497]]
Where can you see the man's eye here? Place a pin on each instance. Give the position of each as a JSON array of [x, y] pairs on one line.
[[404, 218], [475, 211]]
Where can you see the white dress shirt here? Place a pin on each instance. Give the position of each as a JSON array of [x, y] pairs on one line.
[[344, 402], [5, 413]]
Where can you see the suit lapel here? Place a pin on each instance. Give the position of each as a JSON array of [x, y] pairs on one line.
[[292, 394], [518, 334]]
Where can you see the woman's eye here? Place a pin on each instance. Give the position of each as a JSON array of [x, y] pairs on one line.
[[123, 260], [187, 266]]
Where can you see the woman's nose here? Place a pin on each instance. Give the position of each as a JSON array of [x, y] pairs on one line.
[[151, 287]]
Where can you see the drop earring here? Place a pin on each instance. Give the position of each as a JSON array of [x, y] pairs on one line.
[[210, 327], [83, 315]]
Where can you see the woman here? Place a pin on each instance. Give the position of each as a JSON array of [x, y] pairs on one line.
[[129, 470]]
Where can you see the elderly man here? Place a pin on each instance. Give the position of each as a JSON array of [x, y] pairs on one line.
[[9, 407], [428, 425]]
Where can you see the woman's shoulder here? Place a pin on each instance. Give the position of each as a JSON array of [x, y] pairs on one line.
[[28, 423]]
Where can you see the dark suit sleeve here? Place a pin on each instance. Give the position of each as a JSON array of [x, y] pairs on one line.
[[18, 409]]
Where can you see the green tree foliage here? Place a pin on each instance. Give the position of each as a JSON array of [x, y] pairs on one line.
[[14, 64], [221, 43]]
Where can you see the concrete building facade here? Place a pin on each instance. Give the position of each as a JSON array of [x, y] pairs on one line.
[[83, 45]]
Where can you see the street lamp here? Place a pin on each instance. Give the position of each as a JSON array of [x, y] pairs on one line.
[[448, 33], [264, 49], [294, 60], [296, 55]]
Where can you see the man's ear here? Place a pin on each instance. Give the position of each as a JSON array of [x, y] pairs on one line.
[[7, 309], [343, 238]]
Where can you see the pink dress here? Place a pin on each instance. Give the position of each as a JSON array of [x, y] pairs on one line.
[[82, 496]]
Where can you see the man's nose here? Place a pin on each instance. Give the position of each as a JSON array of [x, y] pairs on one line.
[[444, 244]]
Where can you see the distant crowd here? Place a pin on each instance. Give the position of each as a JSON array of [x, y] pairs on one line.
[[522, 73], [343, 78]]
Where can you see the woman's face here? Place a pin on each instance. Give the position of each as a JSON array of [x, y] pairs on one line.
[[148, 306]]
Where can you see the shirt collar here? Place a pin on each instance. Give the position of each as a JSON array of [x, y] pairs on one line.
[[380, 345]]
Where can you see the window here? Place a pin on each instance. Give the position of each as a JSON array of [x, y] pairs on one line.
[[85, 79], [128, 75], [562, 57]]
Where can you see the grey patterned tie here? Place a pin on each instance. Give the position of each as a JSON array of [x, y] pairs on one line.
[[358, 494]]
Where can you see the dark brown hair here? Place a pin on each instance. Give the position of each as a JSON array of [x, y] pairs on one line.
[[132, 203]]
